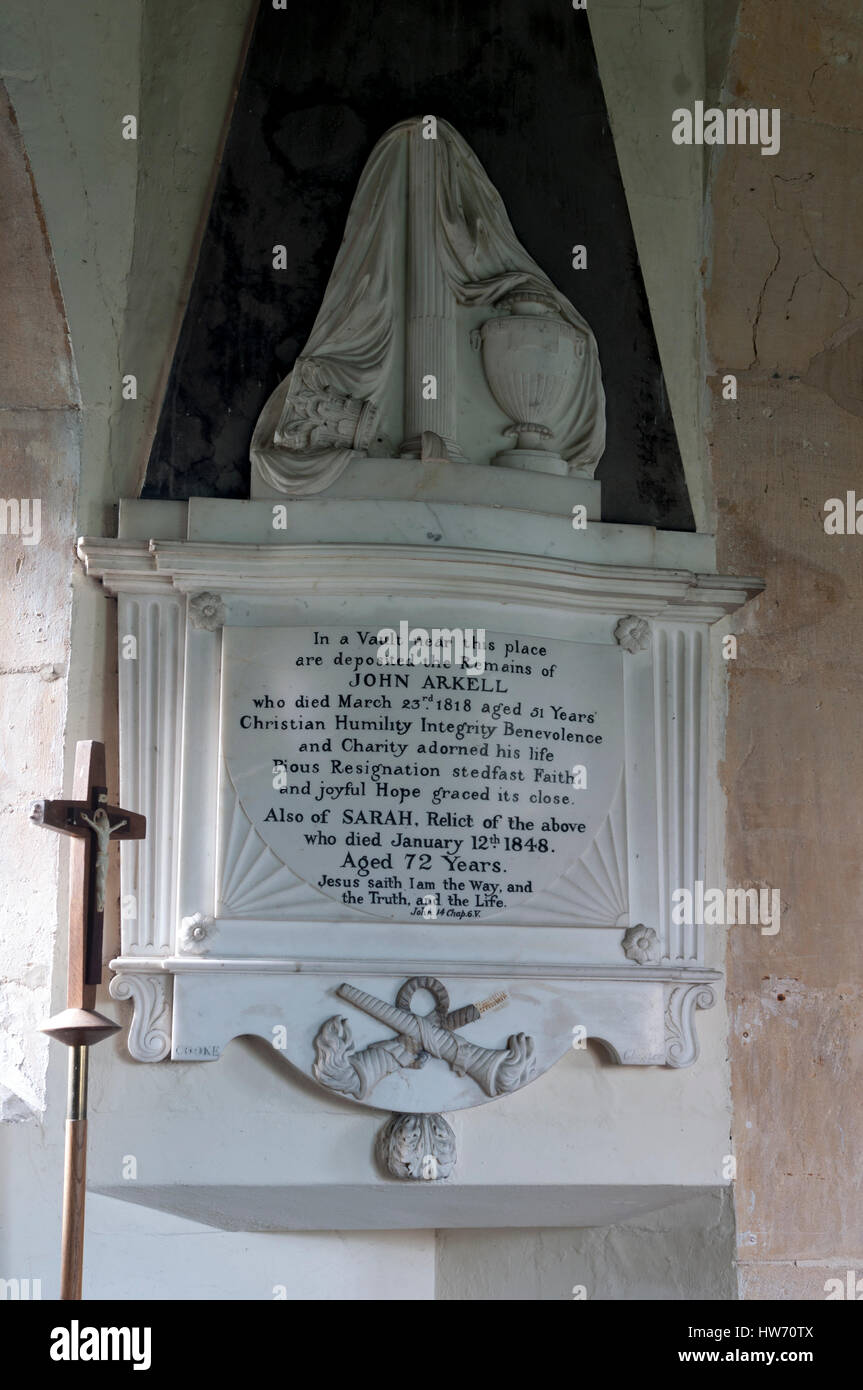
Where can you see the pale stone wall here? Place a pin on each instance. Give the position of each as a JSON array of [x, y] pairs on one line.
[[784, 315], [39, 445]]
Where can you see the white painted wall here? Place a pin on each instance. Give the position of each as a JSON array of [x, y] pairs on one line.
[[682, 1252]]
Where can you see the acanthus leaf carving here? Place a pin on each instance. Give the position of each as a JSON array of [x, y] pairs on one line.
[[418, 1147], [317, 417]]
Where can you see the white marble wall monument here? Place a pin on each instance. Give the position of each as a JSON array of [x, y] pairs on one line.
[[419, 878]]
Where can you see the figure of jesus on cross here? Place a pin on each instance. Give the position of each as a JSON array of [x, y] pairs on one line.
[[101, 824], [93, 824]]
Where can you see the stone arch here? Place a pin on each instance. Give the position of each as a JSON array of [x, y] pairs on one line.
[[40, 448]]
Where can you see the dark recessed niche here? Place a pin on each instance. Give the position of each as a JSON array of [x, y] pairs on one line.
[[518, 79]]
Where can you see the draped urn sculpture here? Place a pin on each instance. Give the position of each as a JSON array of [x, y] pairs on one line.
[[428, 250], [532, 360]]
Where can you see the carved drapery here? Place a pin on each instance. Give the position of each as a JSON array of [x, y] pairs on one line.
[[462, 250]]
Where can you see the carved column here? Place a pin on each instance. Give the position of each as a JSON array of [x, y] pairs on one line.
[[681, 734], [430, 348], [150, 636]]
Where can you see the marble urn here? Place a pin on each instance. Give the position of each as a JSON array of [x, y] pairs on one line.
[[532, 360]]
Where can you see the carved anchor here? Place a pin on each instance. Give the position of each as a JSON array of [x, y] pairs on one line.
[[419, 1037]]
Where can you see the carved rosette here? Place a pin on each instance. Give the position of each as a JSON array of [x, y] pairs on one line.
[[150, 1029], [641, 944], [632, 633], [681, 1041], [207, 612], [197, 933], [417, 1147]]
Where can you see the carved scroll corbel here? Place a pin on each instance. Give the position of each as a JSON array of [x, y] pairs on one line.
[[150, 1029], [681, 1040]]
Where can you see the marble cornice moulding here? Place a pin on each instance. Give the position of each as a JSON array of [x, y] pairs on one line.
[[186, 964], [191, 567], [527, 529]]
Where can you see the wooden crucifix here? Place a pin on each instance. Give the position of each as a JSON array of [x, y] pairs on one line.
[[94, 824]]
